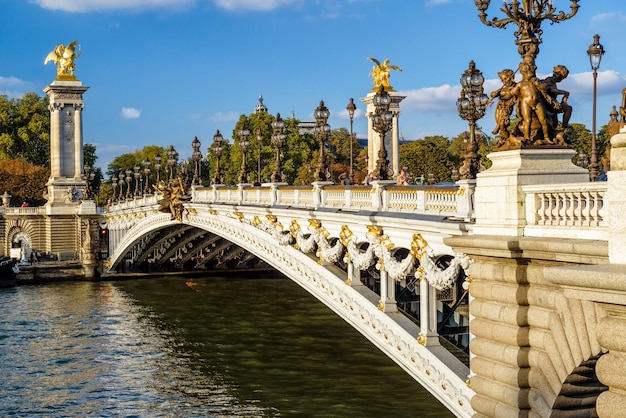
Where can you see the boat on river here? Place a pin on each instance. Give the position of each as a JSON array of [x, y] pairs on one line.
[[8, 271]]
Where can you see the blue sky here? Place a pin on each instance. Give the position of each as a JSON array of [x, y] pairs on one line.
[[163, 71]]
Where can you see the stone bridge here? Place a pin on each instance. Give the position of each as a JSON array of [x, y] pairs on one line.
[[538, 246]]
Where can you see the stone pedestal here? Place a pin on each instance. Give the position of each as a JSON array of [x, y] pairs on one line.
[[66, 184], [392, 138], [499, 199]]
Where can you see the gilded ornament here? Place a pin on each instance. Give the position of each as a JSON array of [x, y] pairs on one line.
[[63, 56], [381, 307], [421, 339], [380, 73]]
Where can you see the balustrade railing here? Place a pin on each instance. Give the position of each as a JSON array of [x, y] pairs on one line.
[[576, 210]]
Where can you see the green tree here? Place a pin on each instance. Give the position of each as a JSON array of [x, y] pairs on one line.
[[25, 129], [426, 156]]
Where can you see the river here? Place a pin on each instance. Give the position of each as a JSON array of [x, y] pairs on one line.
[[192, 347]]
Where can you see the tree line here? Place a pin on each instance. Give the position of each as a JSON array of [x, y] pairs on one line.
[[25, 154]]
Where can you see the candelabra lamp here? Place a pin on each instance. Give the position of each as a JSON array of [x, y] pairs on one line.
[[320, 133], [472, 105], [382, 120], [351, 108], [146, 171], [595, 52], [277, 140], [244, 133], [218, 141], [196, 156]]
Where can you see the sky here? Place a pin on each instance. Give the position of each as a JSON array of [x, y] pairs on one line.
[[165, 71]]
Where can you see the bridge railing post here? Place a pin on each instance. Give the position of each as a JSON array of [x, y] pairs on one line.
[[428, 314], [387, 293], [465, 199]]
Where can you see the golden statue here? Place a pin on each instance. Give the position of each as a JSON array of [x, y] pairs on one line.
[[380, 73], [63, 56]]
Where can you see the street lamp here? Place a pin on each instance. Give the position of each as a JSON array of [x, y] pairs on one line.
[[351, 108], [218, 140], [121, 176], [137, 176], [114, 184], [381, 123], [278, 140], [259, 139], [146, 170], [320, 133], [157, 167], [595, 52], [171, 162], [471, 105], [244, 143], [129, 179], [196, 157]]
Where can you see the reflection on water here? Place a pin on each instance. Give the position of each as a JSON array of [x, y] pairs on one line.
[[214, 347]]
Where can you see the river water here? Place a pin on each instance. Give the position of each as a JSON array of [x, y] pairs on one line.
[[182, 347]]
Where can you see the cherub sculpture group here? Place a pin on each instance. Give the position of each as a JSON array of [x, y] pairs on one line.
[[537, 108]]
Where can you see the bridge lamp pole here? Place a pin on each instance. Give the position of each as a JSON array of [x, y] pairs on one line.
[[129, 179], [351, 109], [471, 105], [196, 157], [320, 133], [121, 183], [146, 170], [157, 167], [277, 140], [259, 140], [171, 162], [381, 123], [218, 140], [114, 184], [243, 144], [595, 52]]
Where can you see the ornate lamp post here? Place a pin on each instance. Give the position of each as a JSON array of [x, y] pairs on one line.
[[320, 133], [218, 140], [244, 143], [171, 162], [137, 176], [595, 52], [259, 139], [146, 170], [196, 156], [278, 140], [121, 176], [471, 105], [351, 109], [157, 167], [129, 179], [528, 19], [381, 123], [114, 184]]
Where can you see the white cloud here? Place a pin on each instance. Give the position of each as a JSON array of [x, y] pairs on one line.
[[253, 5], [225, 116], [431, 99], [85, 6], [14, 87], [130, 113], [602, 17]]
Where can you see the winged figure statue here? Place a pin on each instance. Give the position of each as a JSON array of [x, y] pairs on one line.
[[380, 73], [63, 56]]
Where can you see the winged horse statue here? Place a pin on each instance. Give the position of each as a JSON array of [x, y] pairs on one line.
[[63, 56]]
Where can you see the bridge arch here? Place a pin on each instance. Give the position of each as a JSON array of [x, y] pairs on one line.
[[391, 331]]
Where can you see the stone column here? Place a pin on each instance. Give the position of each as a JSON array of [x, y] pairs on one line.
[[611, 367], [616, 197]]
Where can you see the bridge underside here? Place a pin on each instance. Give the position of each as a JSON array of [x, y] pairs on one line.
[[183, 247]]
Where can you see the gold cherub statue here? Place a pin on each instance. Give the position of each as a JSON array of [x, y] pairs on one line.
[[380, 73], [63, 56]]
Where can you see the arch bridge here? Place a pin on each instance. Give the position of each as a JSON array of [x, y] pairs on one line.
[[546, 292]]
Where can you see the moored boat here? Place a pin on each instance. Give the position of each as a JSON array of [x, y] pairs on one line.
[[8, 271]]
